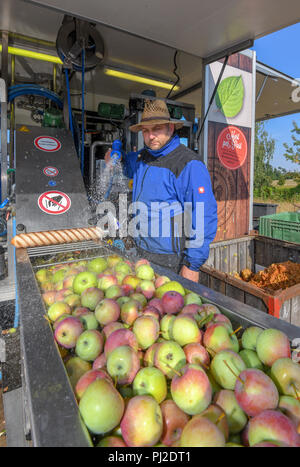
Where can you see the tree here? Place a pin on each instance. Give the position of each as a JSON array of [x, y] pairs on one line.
[[293, 152], [263, 155]]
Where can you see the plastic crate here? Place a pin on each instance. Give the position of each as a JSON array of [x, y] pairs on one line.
[[283, 226]]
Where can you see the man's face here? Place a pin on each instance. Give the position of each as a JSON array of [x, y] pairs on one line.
[[156, 136]]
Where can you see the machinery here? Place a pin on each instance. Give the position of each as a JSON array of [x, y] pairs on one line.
[[49, 181]]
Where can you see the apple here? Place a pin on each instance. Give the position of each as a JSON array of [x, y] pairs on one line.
[[225, 367], [73, 300], [166, 325], [219, 337], [219, 318], [191, 389], [130, 311], [49, 297], [272, 425], [86, 379], [142, 424], [57, 309], [192, 309], [47, 286], [236, 417], [68, 331], [111, 442], [112, 260], [122, 267], [127, 290], [89, 345], [174, 420], [89, 320], [172, 302], [99, 362], [290, 407], [145, 272], [192, 298], [255, 392], [121, 300], [107, 311], [185, 330], [131, 280], [151, 381], [43, 275], [156, 302], [197, 354], [217, 415], [111, 327], [97, 265], [140, 298], [118, 338], [169, 286], [147, 288], [68, 281], [286, 375], [76, 367], [62, 294], [146, 330], [271, 345], [149, 355], [250, 336], [84, 280], [169, 357], [251, 359], [114, 292], [140, 262], [60, 275], [107, 281], [59, 319], [161, 280], [90, 297], [151, 311], [101, 407], [201, 432], [123, 364], [80, 310]]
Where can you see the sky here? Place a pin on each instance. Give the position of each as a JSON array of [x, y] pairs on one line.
[[280, 50]]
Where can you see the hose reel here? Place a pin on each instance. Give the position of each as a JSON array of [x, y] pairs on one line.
[[75, 35]]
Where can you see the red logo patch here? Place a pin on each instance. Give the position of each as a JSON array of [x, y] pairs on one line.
[[201, 190]]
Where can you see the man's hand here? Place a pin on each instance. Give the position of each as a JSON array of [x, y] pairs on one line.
[[189, 274]]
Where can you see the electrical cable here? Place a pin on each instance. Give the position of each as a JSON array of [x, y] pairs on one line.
[[174, 72], [69, 102]]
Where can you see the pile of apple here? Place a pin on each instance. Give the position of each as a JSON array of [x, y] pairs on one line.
[[152, 365]]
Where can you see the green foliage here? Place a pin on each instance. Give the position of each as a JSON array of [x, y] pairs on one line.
[[263, 155], [293, 152]]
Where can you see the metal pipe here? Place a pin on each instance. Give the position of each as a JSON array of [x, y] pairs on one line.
[[92, 159], [55, 78], [33, 40], [12, 116]]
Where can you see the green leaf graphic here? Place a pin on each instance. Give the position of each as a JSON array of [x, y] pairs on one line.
[[230, 96]]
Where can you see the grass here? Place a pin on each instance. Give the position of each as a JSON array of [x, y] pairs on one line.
[[283, 206]]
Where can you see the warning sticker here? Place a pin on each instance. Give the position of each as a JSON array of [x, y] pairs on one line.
[[47, 143], [50, 171], [54, 202]]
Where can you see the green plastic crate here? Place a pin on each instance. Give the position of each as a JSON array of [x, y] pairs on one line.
[[283, 226]]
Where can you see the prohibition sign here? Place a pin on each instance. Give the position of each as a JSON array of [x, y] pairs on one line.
[[47, 143], [54, 202], [50, 171]]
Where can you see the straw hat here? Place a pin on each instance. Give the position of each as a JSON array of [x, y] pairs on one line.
[[155, 113]]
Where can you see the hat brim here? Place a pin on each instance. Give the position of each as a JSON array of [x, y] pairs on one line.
[[136, 128]]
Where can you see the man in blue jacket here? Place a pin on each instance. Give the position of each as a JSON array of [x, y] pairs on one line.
[[172, 192]]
